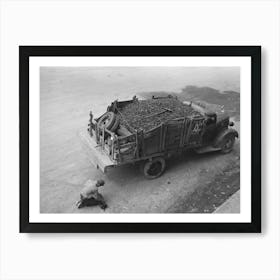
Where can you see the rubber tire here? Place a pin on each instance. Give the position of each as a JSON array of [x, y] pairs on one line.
[[149, 164], [227, 143], [115, 126], [108, 115]]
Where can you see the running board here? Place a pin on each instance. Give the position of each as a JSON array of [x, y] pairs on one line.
[[206, 149]]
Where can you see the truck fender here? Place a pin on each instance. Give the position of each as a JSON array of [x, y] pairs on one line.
[[223, 134]]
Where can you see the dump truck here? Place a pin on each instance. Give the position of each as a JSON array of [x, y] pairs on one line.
[[152, 130]]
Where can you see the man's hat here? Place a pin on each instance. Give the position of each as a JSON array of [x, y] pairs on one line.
[[100, 183]]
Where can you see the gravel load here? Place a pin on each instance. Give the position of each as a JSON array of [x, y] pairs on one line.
[[147, 114]]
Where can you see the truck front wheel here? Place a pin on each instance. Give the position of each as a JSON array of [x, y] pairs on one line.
[[154, 168], [227, 143]]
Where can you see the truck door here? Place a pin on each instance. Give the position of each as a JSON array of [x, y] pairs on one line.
[[173, 134], [194, 132]]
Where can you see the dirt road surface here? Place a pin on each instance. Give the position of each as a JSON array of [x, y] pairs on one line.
[[67, 96]]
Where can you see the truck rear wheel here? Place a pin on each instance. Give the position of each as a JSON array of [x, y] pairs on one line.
[[227, 143], [154, 168]]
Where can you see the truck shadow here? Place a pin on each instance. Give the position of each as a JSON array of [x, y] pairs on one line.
[[127, 174], [187, 157]]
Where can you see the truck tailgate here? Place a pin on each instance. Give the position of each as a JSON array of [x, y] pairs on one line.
[[95, 153]]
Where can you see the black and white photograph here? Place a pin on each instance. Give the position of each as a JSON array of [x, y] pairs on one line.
[[141, 135], [139, 139]]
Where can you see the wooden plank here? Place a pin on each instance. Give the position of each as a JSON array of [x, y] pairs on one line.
[[142, 142], [137, 145], [186, 127], [189, 132], [119, 150], [152, 141], [160, 137], [182, 133]]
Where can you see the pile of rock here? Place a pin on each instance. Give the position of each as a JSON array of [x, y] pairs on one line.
[[147, 114]]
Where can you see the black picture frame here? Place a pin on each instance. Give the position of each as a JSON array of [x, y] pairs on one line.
[[25, 52]]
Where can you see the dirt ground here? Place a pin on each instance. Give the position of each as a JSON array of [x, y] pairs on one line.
[[191, 183]]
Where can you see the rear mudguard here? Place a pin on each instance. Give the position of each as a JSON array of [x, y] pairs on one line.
[[218, 140]]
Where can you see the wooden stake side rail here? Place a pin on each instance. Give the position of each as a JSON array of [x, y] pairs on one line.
[[147, 144], [142, 151]]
